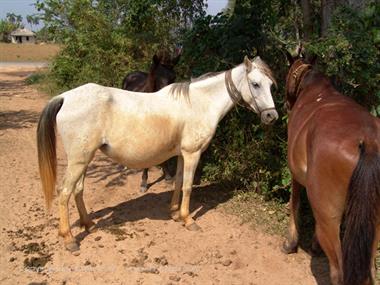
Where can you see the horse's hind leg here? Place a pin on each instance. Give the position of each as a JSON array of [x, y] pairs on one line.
[[291, 244], [374, 253], [144, 181], [74, 171], [85, 220], [328, 210], [327, 232]]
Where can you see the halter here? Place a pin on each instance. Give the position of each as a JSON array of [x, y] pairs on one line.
[[236, 96], [300, 71]]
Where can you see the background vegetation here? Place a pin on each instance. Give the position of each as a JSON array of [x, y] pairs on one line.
[[103, 40]]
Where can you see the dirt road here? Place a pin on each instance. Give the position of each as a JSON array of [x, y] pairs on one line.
[[135, 241]]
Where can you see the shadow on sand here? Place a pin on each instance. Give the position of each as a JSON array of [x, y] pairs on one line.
[[18, 119], [155, 206]]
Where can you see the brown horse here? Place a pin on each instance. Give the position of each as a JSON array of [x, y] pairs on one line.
[[161, 74], [333, 151]]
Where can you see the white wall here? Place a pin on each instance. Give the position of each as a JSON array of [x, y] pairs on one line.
[[24, 39]]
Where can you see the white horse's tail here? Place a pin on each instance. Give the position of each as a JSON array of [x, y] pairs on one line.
[[46, 145]]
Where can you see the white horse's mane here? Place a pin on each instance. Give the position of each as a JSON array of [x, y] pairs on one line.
[[181, 89]]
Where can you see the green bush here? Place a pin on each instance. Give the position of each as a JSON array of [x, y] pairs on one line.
[[103, 40], [243, 151], [350, 54]]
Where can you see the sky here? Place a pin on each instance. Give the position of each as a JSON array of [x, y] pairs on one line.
[[26, 7]]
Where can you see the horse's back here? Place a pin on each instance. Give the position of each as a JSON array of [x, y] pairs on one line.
[[135, 81], [88, 98], [324, 135]]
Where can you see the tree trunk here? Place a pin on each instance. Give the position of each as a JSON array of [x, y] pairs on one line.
[[307, 19], [358, 4], [328, 7]]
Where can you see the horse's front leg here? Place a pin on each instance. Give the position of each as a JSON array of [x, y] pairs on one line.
[[291, 244], [190, 162], [174, 205]]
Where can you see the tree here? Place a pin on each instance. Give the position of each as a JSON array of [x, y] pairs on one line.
[[103, 39], [327, 10], [307, 19], [32, 20], [7, 26], [14, 19]]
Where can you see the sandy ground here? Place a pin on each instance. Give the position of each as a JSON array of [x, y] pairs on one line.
[[27, 52], [136, 242]]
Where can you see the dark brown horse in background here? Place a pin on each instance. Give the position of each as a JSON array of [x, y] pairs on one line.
[[333, 151], [161, 74]]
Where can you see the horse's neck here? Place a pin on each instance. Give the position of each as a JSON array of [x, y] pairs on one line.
[[150, 83], [212, 95]]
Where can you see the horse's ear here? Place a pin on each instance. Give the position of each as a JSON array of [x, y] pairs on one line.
[[289, 57], [248, 64], [155, 59], [176, 59], [311, 59], [300, 50]]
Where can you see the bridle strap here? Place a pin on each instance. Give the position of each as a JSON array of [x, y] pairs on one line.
[[236, 96], [300, 74]]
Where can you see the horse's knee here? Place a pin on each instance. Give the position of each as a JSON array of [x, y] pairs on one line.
[[64, 196], [79, 189], [336, 275]]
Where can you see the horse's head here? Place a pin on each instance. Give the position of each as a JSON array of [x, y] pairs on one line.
[[296, 73], [163, 68], [256, 89]]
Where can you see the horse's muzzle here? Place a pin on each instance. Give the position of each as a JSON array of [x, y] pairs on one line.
[[268, 117]]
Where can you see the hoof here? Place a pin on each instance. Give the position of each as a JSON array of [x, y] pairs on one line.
[[193, 227], [168, 178], [289, 248], [72, 246], [143, 189], [176, 216]]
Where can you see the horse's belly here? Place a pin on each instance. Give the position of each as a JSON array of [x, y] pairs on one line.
[[139, 141], [142, 154]]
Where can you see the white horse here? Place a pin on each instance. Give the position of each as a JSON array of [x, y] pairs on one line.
[[141, 130]]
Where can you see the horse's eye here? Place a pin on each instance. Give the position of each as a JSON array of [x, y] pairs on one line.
[[256, 85]]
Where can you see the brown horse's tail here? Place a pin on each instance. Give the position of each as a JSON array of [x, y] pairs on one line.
[[362, 212], [47, 159]]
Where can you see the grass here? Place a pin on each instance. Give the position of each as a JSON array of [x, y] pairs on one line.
[[44, 83], [27, 52]]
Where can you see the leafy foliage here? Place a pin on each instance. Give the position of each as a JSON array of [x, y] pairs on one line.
[[103, 40], [11, 23], [350, 53], [244, 151]]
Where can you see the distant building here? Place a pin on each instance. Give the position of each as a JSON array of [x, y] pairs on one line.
[[23, 36]]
